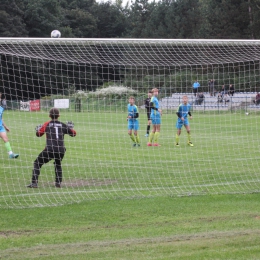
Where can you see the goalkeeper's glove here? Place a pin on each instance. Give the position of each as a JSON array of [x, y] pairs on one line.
[[70, 124], [38, 127]]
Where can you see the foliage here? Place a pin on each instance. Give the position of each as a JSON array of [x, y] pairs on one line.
[[41, 17], [113, 92], [141, 19]]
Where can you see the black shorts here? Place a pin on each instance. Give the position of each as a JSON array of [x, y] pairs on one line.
[[149, 115]]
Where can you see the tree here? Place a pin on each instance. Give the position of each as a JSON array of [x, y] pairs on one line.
[[11, 20], [82, 23], [253, 7], [111, 21], [138, 16], [227, 19], [42, 16]]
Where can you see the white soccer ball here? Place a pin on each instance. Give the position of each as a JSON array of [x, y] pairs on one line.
[[55, 34], [247, 113]]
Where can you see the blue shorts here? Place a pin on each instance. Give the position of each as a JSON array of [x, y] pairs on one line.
[[133, 125], [156, 120], [2, 129], [180, 123]]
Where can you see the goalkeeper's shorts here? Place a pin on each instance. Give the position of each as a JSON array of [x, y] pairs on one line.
[[2, 129]]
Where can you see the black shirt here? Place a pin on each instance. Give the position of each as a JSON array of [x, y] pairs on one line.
[[147, 105], [55, 131]]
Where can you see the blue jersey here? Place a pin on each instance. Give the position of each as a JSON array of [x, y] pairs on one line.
[[132, 111], [1, 115], [155, 113], [196, 85], [183, 110]]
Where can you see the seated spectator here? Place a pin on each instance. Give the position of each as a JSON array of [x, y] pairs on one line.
[[220, 98], [226, 98], [231, 90], [257, 99], [223, 91], [199, 99]]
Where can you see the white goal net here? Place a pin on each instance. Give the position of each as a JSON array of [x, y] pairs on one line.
[[90, 81]]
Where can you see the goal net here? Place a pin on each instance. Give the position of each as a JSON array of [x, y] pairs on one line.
[[90, 81]]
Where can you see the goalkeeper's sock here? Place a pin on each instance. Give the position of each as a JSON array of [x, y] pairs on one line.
[[151, 137], [189, 137], [156, 136], [137, 139], [148, 129], [8, 147], [133, 138], [177, 138]]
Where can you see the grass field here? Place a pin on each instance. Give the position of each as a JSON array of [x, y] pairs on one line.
[[122, 202]]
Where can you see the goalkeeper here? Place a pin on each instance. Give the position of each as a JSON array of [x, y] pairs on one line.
[[55, 149]]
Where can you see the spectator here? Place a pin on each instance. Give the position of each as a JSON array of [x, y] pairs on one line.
[[223, 91], [231, 90], [211, 87], [195, 87], [257, 99], [200, 98], [226, 98], [220, 98]]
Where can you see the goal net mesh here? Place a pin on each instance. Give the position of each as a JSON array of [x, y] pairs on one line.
[[90, 81]]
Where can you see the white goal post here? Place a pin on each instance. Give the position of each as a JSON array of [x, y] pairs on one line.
[[90, 80]]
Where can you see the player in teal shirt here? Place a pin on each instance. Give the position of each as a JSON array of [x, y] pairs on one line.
[[156, 113], [182, 113], [3, 129], [133, 123]]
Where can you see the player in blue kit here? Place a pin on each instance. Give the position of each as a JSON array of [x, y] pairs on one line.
[[182, 113], [156, 114], [133, 123], [3, 129]]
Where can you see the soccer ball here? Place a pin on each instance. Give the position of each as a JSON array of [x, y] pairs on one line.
[[247, 113], [55, 34]]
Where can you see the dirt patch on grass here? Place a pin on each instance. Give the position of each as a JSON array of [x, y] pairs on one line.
[[84, 183]]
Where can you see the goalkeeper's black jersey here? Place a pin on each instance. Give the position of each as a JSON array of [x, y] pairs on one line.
[[55, 131]]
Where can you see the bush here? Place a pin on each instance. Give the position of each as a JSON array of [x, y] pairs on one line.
[[113, 92]]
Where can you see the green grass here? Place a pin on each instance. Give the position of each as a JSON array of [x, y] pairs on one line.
[[121, 202], [196, 227], [101, 162]]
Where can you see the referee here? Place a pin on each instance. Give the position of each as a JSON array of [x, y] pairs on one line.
[[148, 111]]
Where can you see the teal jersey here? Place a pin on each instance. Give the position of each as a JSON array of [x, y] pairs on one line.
[[183, 110], [156, 104], [133, 112], [1, 115]]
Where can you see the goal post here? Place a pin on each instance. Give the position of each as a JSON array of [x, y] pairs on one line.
[[90, 81]]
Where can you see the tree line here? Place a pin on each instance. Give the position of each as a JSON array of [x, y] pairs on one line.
[[208, 19], [22, 79]]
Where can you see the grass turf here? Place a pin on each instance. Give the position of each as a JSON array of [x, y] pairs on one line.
[[196, 227], [102, 169], [101, 162]]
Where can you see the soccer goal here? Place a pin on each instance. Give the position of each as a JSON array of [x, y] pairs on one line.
[[90, 81]]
